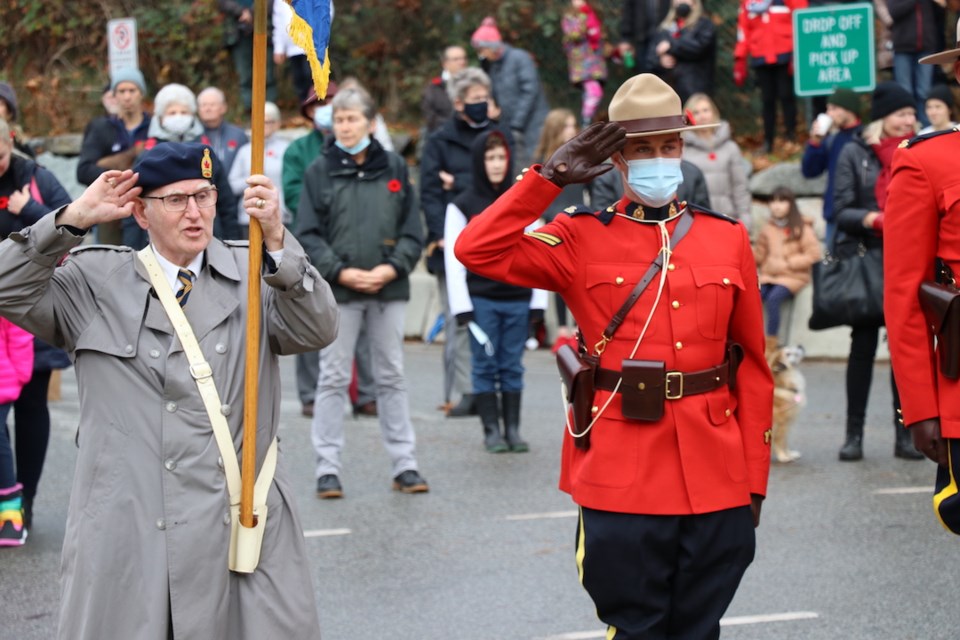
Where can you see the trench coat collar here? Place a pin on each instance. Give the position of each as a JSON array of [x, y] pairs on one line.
[[211, 302]]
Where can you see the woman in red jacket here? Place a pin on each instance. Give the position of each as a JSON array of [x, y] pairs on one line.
[[765, 42]]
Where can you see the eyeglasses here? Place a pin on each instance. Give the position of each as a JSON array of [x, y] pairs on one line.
[[177, 202]]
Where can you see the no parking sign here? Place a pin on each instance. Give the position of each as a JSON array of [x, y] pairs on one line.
[[122, 44]]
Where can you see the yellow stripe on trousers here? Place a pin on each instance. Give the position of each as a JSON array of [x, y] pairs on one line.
[[947, 492], [581, 552]]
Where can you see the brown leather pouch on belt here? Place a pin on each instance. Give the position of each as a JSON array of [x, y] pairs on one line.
[[942, 311], [642, 390], [577, 372]]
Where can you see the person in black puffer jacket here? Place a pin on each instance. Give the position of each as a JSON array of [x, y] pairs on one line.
[[498, 314], [860, 190], [684, 52], [917, 31]]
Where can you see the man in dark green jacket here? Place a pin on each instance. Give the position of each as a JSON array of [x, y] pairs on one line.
[[359, 222]]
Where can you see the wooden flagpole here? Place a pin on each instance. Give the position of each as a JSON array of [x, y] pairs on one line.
[[248, 470]]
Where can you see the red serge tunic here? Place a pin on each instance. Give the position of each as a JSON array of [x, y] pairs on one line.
[[921, 222], [709, 451]]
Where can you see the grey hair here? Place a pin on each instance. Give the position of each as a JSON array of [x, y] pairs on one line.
[[213, 91], [462, 80], [354, 98], [174, 94]]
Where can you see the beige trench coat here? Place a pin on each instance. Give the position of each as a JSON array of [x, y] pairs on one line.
[[147, 529]]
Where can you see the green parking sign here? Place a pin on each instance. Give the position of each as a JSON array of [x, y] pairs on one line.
[[833, 47]]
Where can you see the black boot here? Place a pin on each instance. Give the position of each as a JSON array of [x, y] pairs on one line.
[[511, 421], [464, 408], [903, 445], [489, 412], [852, 448]]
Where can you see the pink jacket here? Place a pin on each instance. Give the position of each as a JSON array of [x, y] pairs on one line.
[[16, 360]]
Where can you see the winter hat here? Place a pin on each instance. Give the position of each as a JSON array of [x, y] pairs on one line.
[[170, 162], [129, 75], [8, 95], [887, 98], [487, 36], [845, 99], [942, 93]]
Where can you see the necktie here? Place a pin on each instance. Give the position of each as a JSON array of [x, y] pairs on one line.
[[186, 285]]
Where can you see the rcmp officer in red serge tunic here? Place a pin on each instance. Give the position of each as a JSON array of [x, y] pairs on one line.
[[922, 224], [668, 505]]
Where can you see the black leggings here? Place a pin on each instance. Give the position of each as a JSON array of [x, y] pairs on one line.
[[32, 422], [776, 83], [863, 352]]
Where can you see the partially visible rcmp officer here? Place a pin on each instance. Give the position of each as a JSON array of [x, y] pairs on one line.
[[667, 507], [922, 223], [145, 553]]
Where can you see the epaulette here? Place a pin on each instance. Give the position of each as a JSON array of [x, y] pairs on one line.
[[99, 247], [695, 208], [906, 144], [237, 243]]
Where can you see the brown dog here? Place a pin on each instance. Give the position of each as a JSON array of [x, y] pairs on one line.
[[789, 396]]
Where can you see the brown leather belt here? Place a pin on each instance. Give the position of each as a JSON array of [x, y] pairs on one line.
[[677, 384]]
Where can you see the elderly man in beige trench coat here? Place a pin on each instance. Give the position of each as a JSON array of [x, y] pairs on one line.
[[146, 544]]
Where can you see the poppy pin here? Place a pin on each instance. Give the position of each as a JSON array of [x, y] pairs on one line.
[[394, 186], [712, 156], [231, 144], [4, 202]]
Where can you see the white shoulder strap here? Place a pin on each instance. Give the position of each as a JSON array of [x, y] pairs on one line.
[[203, 375]]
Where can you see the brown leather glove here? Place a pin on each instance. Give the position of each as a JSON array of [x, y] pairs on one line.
[[581, 159]]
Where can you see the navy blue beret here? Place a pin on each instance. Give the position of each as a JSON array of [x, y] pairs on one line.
[[170, 162]]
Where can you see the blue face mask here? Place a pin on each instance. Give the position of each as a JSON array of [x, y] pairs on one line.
[[357, 148], [323, 117], [655, 180]]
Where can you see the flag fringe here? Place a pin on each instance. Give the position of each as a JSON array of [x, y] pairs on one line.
[[302, 35]]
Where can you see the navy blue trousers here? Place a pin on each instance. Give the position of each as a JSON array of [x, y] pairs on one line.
[[659, 577]]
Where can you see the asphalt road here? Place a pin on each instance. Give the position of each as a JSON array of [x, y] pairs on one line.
[[845, 550]]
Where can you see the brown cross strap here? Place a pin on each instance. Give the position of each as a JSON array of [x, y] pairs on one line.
[[676, 383], [683, 226]]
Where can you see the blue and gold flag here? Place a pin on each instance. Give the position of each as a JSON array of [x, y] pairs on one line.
[[310, 30]]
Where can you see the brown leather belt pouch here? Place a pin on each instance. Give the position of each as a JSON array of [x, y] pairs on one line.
[[942, 311], [642, 391], [578, 374]]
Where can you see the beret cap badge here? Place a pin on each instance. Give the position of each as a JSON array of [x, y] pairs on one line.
[[206, 165]]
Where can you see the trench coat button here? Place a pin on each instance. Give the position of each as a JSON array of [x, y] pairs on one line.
[[171, 406], [220, 348], [226, 518], [726, 281], [154, 353], [671, 267], [679, 345], [128, 348], [675, 304], [359, 174], [161, 524], [220, 462], [619, 280], [170, 464], [225, 409]]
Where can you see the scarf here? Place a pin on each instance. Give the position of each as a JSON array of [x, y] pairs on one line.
[[884, 151]]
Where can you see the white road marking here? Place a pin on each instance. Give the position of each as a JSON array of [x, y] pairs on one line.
[[323, 533], [769, 617], [543, 516], [896, 491], [725, 622]]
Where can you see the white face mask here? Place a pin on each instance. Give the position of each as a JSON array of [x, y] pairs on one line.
[[177, 124]]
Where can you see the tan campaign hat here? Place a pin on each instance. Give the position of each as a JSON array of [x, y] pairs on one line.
[[948, 55], [645, 105]]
